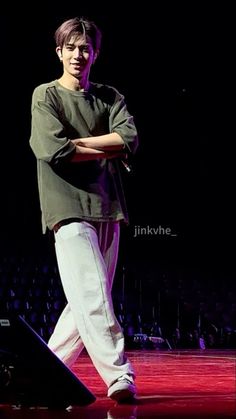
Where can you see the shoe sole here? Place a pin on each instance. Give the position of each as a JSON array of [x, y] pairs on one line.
[[123, 396]]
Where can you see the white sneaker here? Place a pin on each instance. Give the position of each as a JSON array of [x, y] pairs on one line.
[[123, 390]]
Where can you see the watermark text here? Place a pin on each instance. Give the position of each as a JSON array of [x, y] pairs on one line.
[[149, 230]]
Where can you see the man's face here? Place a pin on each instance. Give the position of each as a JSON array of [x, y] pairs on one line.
[[77, 56]]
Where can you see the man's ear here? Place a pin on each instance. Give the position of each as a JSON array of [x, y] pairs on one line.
[[59, 53], [95, 56]]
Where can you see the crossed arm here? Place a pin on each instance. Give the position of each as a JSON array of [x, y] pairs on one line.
[[106, 146]]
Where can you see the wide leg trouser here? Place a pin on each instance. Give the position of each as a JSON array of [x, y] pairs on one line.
[[87, 255]]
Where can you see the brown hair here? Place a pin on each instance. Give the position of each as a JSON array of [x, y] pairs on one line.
[[78, 26]]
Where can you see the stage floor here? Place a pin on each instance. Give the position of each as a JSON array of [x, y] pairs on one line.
[[171, 384]]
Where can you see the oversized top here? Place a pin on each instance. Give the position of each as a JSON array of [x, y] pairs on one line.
[[89, 190]]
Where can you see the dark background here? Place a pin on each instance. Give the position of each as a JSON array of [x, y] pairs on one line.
[[175, 65]]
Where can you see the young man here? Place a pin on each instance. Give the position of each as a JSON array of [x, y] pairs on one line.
[[80, 132]]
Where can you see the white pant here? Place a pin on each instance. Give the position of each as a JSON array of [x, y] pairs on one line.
[[87, 255]]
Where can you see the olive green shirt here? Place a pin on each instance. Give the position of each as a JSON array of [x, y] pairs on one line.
[[90, 190]]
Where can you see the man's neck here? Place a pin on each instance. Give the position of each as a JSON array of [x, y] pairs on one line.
[[72, 83]]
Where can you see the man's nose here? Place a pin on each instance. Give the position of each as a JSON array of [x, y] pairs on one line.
[[77, 52]]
